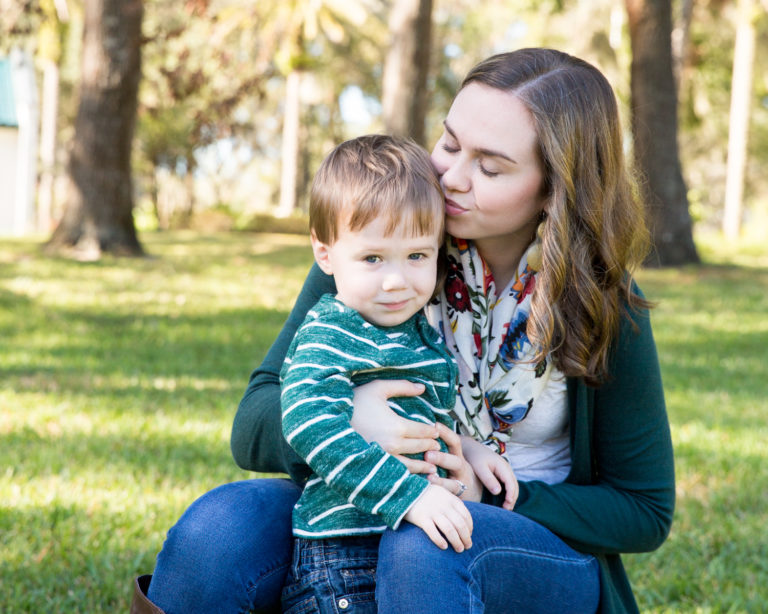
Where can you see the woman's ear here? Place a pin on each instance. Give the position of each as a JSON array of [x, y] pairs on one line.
[[322, 254]]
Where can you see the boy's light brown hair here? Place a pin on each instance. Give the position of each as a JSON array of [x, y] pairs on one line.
[[373, 176]]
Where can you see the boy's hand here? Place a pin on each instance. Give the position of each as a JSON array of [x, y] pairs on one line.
[[442, 516], [492, 469]]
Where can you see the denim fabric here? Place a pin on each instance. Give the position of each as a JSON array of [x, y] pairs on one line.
[[514, 565], [332, 576], [229, 552]]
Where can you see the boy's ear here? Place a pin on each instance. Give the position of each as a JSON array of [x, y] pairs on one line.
[[322, 254]]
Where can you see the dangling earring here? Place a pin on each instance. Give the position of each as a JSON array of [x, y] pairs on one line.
[[534, 252]]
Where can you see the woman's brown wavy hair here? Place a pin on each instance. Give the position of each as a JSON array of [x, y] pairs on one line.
[[594, 233]]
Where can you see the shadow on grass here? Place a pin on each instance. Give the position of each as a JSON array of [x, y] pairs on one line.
[[224, 344]]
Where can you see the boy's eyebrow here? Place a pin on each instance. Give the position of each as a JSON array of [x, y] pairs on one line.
[[484, 151]]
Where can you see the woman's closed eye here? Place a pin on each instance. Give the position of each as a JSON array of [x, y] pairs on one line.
[[447, 147], [486, 171]]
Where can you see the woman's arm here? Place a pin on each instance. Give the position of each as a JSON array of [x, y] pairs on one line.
[[257, 441], [627, 502]]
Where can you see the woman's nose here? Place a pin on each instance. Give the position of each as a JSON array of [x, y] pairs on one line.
[[455, 176]]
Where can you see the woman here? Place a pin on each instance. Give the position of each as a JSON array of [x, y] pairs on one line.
[[559, 374]]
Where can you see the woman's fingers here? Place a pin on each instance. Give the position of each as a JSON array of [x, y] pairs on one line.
[[451, 439], [388, 388], [448, 461], [375, 421], [416, 466], [487, 477]]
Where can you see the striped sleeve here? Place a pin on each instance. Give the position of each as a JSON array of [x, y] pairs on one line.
[[317, 406]]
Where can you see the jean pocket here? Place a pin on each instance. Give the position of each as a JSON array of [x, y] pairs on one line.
[[305, 604], [298, 594], [359, 583]]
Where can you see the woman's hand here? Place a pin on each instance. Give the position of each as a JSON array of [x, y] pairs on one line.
[[375, 421], [460, 472], [492, 469]]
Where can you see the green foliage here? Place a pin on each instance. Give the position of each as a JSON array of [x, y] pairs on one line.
[[705, 111], [119, 381]]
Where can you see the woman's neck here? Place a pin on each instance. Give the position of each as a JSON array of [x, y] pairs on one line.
[[502, 256]]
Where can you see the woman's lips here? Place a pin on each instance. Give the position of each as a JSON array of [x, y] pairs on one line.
[[453, 208]]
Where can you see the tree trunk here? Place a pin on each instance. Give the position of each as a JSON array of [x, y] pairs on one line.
[[49, 112], [404, 97], [98, 214], [654, 128], [290, 149], [741, 92]]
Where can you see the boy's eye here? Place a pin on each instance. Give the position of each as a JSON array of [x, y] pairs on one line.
[[416, 256], [371, 259]]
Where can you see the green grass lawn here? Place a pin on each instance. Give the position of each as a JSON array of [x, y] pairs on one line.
[[119, 381]]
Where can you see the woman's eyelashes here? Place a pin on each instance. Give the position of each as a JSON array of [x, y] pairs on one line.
[[487, 172], [452, 148], [447, 147]]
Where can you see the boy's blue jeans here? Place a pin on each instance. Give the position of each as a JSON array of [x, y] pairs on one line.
[[332, 575], [232, 550]]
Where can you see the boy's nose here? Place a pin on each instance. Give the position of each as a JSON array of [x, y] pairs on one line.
[[393, 280]]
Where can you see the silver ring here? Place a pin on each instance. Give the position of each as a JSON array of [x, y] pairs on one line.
[[462, 487]]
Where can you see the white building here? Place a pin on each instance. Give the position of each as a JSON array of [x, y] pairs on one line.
[[18, 144]]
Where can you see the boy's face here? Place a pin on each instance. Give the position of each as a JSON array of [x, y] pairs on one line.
[[387, 279]]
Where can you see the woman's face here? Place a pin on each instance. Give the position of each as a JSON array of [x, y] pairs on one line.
[[489, 168]]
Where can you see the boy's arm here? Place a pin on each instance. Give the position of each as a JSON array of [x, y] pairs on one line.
[[257, 442], [317, 406]]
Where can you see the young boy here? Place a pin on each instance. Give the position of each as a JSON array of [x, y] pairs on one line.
[[376, 220]]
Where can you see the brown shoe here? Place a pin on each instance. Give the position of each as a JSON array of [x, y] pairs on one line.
[[140, 603]]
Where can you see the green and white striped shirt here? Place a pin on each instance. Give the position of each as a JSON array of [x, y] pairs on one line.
[[357, 488]]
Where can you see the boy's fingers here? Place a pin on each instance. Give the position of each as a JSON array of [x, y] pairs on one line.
[[437, 539], [448, 529]]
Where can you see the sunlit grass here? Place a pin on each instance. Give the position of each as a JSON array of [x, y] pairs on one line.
[[118, 384], [712, 334], [119, 381]]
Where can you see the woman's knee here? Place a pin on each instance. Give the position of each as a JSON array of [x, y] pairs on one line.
[[233, 518], [409, 543], [229, 551]]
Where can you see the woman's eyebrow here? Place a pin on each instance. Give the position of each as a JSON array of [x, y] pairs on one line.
[[484, 151]]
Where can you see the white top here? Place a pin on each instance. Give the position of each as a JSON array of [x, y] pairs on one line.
[[539, 446]]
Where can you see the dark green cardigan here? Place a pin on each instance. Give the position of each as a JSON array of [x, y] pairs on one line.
[[619, 496]]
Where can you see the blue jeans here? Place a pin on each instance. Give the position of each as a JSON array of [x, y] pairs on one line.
[[231, 550], [332, 575], [514, 565]]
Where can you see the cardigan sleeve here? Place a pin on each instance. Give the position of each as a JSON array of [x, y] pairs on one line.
[[257, 441], [621, 491]]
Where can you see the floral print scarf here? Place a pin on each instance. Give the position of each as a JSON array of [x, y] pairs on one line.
[[486, 332]]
